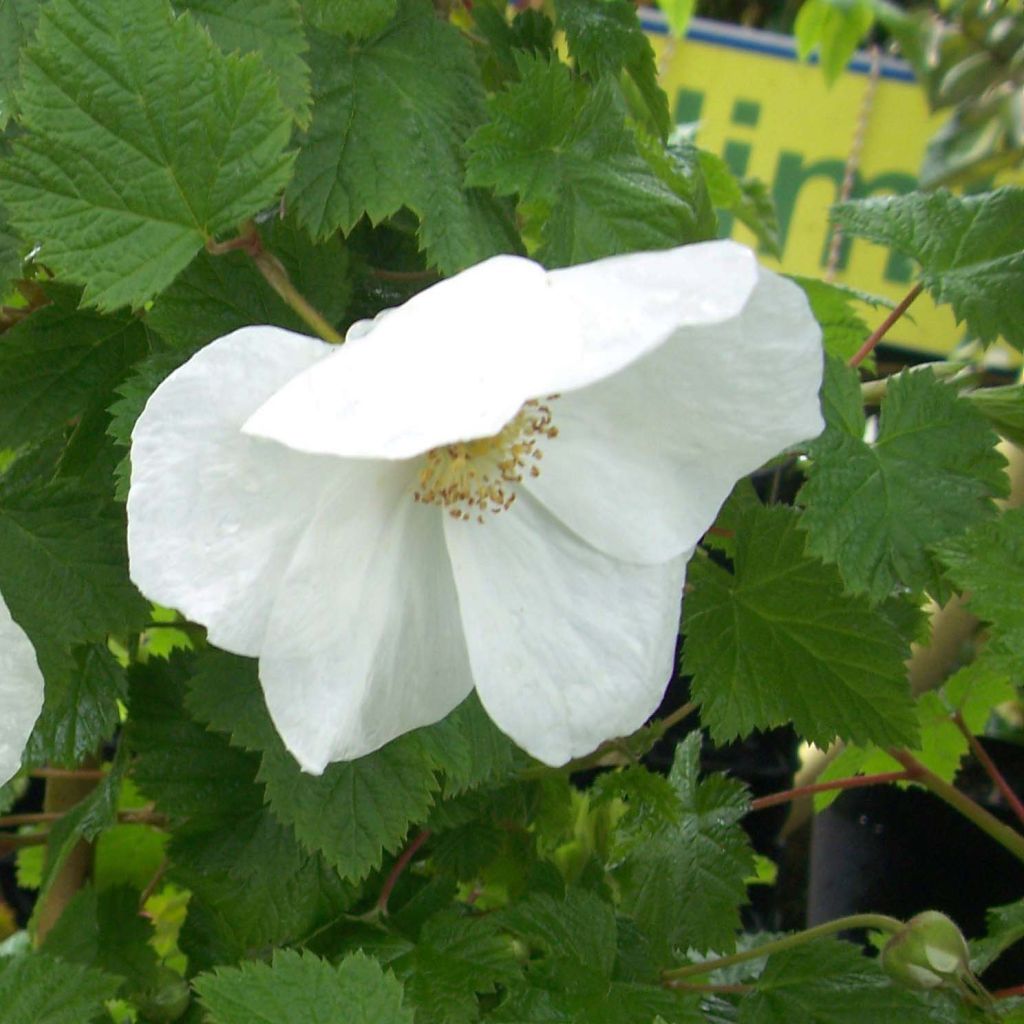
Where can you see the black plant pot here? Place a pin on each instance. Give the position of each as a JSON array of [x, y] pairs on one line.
[[899, 852]]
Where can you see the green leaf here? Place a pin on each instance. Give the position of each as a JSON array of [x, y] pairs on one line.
[[1003, 407], [63, 564], [40, 989], [299, 988], [143, 141], [81, 707], [59, 361], [844, 330], [455, 960], [246, 869], [830, 982], [971, 250], [10, 252], [605, 37], [747, 199], [836, 27], [685, 884], [566, 150], [17, 22], [270, 28], [106, 931], [875, 509], [1005, 929], [218, 294], [678, 14], [356, 809], [359, 18], [389, 120], [988, 562], [780, 641]]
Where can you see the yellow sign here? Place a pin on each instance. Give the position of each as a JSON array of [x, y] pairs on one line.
[[772, 117]]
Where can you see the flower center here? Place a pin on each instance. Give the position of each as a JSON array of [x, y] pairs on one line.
[[469, 478]]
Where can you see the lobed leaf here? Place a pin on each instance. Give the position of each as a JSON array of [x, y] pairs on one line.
[[142, 141], [779, 640], [970, 248]]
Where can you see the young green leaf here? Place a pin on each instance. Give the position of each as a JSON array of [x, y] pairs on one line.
[[1005, 928], [270, 28], [143, 141], [747, 199], [779, 640], [297, 988], [835, 27], [567, 151], [685, 884], [389, 120], [971, 250], [1003, 407], [40, 989], [874, 509]]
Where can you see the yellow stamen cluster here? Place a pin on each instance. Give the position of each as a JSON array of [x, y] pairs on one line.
[[470, 478]]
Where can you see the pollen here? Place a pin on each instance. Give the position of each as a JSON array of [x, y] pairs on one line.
[[471, 479]]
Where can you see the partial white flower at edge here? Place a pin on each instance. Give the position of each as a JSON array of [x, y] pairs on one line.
[[21, 693], [496, 485]]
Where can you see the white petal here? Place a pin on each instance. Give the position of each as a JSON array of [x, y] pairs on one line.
[[455, 362], [21, 693], [644, 458], [631, 304], [568, 647], [214, 515], [365, 641]]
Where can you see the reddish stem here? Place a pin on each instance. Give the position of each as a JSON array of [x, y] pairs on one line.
[[398, 867], [1009, 993], [404, 276], [990, 767], [854, 782], [68, 773], [876, 336]]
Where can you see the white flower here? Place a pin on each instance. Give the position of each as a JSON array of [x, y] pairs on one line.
[[326, 510], [21, 692]]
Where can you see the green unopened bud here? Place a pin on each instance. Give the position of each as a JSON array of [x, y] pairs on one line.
[[927, 952]]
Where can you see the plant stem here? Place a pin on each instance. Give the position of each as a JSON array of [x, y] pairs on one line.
[[130, 816], [403, 276], [60, 797], [1007, 837], [877, 335], [854, 782], [274, 273], [880, 922], [10, 842], [674, 717], [68, 773], [397, 868], [695, 986], [990, 767]]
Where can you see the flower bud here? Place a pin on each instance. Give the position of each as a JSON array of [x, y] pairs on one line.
[[927, 952]]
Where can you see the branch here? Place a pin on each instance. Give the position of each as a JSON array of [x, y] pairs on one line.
[[868, 347], [853, 782], [990, 767], [397, 868]]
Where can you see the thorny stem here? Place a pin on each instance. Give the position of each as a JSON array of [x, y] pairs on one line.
[[879, 333], [1008, 993], [873, 391], [854, 782], [879, 922], [1007, 837], [990, 767], [397, 868], [273, 271]]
